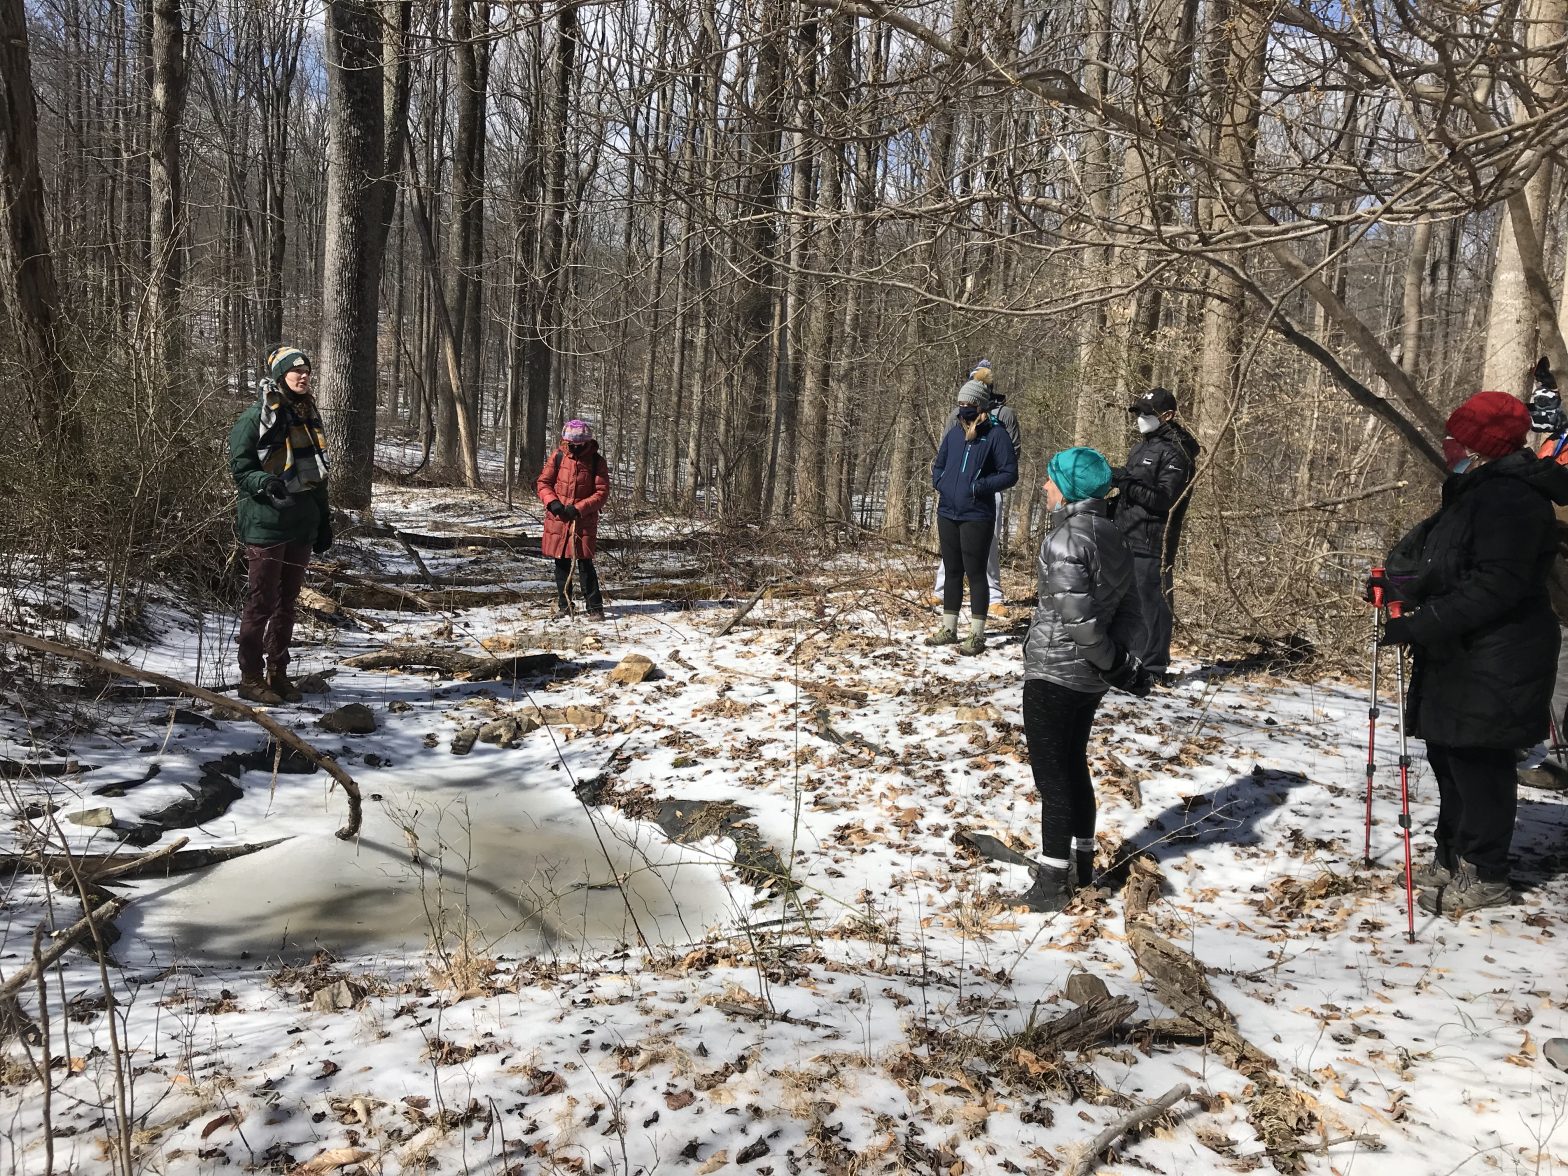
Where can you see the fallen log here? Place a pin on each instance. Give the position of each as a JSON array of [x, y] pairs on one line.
[[740, 613], [266, 722], [325, 606], [63, 942], [1129, 1122], [453, 663], [161, 863], [1088, 1024]]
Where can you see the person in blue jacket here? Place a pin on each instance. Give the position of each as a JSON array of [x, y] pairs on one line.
[[974, 463]]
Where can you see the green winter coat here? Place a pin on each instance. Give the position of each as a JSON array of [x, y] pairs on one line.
[[307, 520]]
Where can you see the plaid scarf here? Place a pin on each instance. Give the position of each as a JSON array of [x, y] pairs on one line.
[[293, 444]]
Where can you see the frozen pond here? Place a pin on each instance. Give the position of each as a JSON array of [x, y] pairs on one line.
[[474, 853]]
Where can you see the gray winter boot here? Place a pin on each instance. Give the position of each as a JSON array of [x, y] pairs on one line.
[[1465, 893], [1050, 893], [1429, 876]]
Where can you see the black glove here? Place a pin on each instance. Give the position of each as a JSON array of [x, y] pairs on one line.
[[1377, 582], [277, 492], [1400, 630], [323, 541], [570, 513], [1129, 674], [557, 509]]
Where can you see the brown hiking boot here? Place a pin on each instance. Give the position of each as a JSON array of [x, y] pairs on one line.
[[257, 691], [283, 686]]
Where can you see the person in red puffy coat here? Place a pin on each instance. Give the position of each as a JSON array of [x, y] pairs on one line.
[[573, 486]]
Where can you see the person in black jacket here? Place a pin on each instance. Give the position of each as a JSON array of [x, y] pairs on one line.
[[1151, 504], [1472, 580]]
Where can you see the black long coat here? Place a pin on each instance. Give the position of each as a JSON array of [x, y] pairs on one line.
[[1483, 631], [1152, 497]]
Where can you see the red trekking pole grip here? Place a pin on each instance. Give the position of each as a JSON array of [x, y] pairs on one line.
[[1394, 609], [1377, 588]]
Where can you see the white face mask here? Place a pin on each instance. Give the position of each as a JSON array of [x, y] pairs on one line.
[[1147, 423]]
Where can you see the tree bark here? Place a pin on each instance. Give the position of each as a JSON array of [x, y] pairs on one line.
[[166, 191], [352, 278], [30, 292]]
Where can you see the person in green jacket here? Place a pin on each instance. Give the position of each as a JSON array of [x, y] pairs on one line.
[[277, 454]]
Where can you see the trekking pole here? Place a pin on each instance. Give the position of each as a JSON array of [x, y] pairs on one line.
[[1372, 708], [571, 569], [1404, 784]]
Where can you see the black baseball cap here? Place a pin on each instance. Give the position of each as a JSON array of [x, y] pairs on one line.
[[1154, 402]]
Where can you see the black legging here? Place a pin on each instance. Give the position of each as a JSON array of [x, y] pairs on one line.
[[1056, 730], [587, 579], [965, 547], [1478, 794]]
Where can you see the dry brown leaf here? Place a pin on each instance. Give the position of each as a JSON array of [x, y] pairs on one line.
[[332, 1159]]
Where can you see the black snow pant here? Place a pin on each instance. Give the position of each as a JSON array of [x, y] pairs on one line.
[[965, 547], [1154, 585], [1056, 729], [587, 579], [1478, 798]]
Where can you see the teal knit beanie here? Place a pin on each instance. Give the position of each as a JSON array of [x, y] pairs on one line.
[[1080, 473]]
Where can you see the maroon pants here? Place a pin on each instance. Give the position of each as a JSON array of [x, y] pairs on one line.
[[277, 571]]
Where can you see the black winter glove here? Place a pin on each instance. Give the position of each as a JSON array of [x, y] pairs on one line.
[[1400, 630], [570, 513], [557, 509], [277, 492], [1377, 583], [323, 541], [1130, 675]]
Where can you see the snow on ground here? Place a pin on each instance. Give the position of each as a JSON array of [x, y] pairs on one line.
[[540, 985]]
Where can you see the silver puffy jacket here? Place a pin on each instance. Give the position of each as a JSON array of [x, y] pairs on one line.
[[1088, 609]]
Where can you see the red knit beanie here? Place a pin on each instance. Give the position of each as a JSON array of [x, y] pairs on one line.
[[1493, 424]]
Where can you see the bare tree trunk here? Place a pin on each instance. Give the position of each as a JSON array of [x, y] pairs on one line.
[[758, 263], [1513, 337], [30, 293], [166, 190], [1236, 72], [552, 237], [351, 285]]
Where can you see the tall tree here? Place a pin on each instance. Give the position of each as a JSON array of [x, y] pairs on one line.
[[549, 240], [31, 294], [363, 97], [166, 187]]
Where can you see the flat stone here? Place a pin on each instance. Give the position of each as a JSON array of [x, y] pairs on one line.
[[314, 684], [1082, 987], [502, 731], [189, 718], [337, 997], [585, 716], [354, 719], [93, 818], [634, 668], [979, 714], [463, 741]]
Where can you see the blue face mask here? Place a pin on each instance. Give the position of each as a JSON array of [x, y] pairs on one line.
[[1462, 464], [967, 412]]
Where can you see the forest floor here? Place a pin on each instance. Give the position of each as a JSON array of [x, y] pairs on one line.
[[717, 920]]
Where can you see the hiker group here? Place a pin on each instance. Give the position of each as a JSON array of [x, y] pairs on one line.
[[1470, 591], [1103, 614]]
